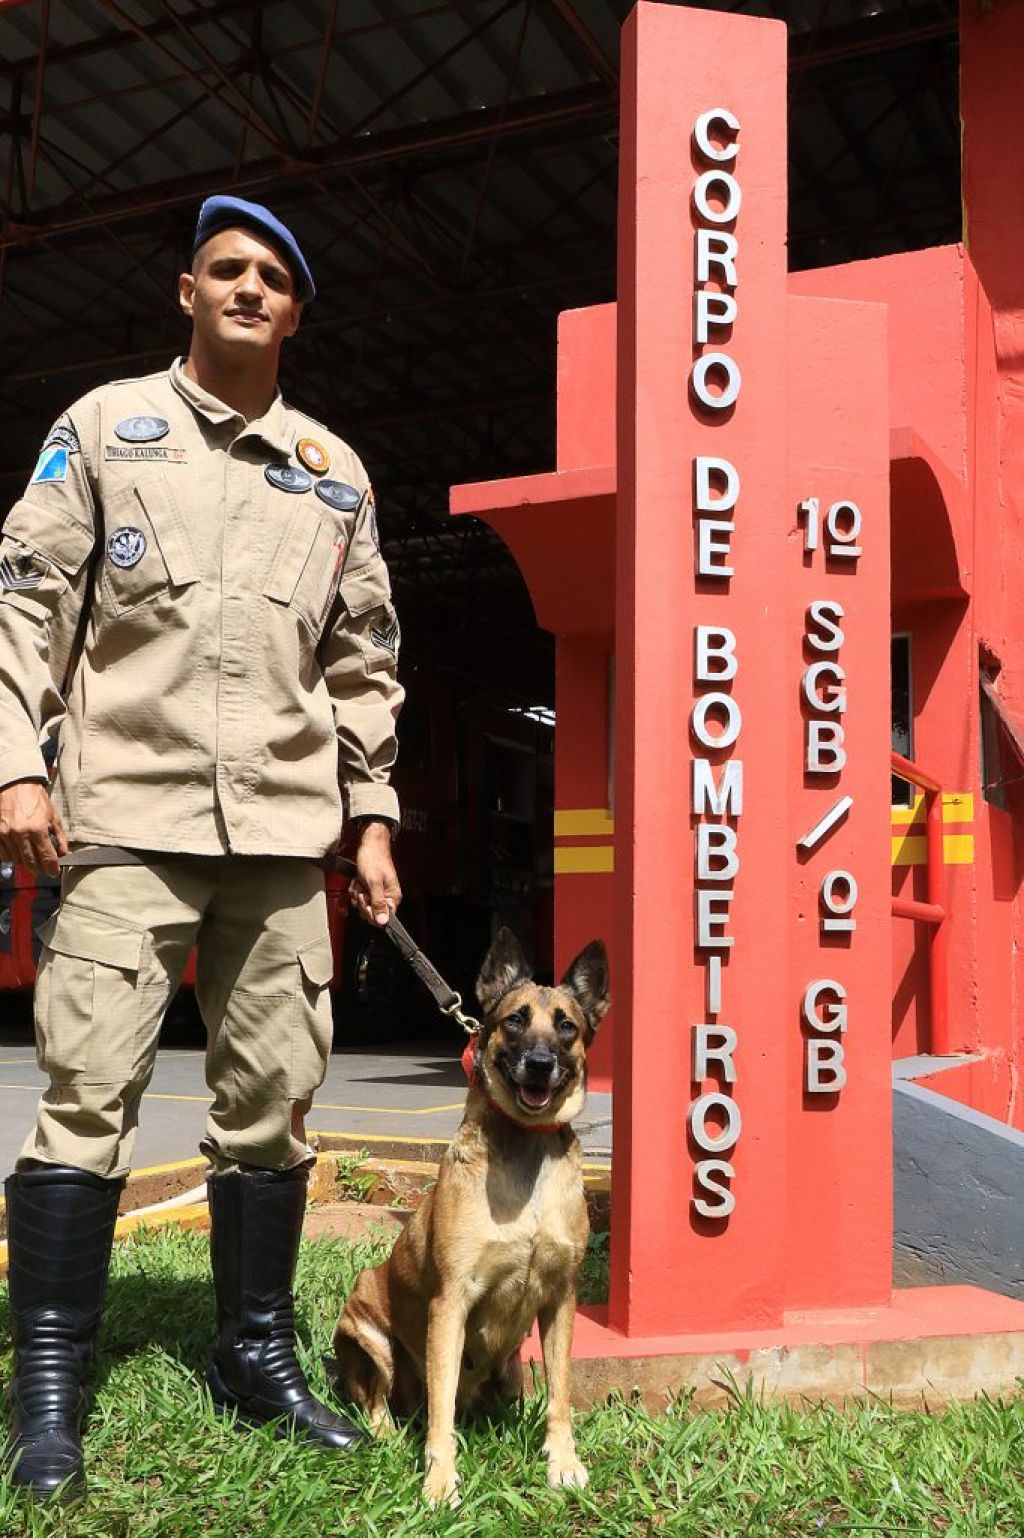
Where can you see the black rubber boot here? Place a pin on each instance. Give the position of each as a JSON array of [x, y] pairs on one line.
[[60, 1226], [255, 1224]]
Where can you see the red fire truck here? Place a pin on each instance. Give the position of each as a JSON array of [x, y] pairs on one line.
[[476, 786]]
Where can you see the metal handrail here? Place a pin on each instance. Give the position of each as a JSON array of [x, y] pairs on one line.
[[933, 911]]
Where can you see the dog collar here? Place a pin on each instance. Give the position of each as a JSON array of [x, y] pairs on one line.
[[476, 1082]]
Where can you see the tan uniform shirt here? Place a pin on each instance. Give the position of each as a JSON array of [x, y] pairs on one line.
[[237, 669]]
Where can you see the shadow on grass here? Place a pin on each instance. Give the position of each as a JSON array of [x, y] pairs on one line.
[[176, 1315]]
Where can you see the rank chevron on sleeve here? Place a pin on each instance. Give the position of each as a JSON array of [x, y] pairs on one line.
[[16, 581]]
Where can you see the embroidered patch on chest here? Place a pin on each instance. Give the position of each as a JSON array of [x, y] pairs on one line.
[[288, 478], [126, 547], [145, 451], [339, 496], [313, 455], [142, 429]]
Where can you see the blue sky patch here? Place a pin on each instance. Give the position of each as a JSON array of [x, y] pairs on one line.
[[52, 465]]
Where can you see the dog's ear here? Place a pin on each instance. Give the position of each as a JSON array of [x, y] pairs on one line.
[[587, 979], [504, 966]]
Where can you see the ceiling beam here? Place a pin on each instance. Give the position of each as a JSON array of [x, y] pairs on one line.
[[586, 103]]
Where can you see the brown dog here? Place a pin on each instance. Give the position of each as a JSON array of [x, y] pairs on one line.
[[497, 1244]]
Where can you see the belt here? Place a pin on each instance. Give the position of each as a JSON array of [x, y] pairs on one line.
[[448, 1001]]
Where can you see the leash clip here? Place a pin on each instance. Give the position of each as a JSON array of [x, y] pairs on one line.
[[468, 1023]]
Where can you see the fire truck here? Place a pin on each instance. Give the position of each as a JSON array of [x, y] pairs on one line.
[[475, 780]]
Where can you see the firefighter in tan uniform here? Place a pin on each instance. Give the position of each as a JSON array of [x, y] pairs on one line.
[[192, 596]]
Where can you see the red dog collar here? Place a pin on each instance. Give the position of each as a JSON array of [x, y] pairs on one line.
[[476, 1082]]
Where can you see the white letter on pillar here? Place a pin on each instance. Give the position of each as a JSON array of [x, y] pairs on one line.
[[730, 195], [699, 720], [709, 549], [716, 248], [723, 1139], [712, 917], [716, 842], [714, 1044], [833, 703], [826, 614], [825, 751], [835, 1014], [723, 800], [705, 1172], [702, 134], [711, 309], [825, 1072], [730, 384], [705, 498], [716, 654]]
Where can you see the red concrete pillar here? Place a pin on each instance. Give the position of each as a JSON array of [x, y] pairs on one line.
[[751, 1169], [838, 1220], [699, 1206]]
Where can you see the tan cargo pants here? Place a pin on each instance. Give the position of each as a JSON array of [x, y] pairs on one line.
[[112, 959]]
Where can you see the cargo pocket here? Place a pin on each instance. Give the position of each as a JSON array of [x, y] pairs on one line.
[[313, 1025], [366, 588], [87, 997], [304, 571], [147, 549], [42, 550]]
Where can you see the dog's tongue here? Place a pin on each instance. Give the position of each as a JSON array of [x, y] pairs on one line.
[[535, 1099]]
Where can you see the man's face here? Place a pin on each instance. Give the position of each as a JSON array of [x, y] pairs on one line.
[[240, 294]]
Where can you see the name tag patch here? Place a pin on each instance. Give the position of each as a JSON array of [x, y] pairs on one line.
[[145, 451]]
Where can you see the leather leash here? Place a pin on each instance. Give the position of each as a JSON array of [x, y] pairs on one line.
[[448, 1001]]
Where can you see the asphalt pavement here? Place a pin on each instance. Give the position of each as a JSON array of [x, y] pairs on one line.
[[416, 1091]]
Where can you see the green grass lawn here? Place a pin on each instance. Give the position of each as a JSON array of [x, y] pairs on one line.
[[161, 1463]]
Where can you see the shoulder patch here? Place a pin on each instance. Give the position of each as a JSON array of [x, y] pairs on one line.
[[52, 465], [62, 435]]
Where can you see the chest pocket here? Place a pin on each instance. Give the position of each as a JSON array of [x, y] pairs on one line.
[[147, 548], [306, 564]]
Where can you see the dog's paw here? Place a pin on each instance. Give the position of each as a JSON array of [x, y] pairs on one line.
[[383, 1424], [565, 1469], [441, 1486]]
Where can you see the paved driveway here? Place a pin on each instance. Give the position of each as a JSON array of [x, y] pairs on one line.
[[410, 1092]]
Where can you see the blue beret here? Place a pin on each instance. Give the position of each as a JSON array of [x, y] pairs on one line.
[[225, 213]]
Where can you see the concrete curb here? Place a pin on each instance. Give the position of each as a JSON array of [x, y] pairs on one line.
[[958, 1178], [923, 1374]]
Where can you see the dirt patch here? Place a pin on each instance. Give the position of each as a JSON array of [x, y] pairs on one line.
[[353, 1220]]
